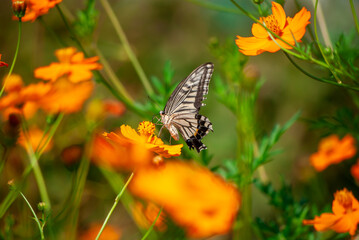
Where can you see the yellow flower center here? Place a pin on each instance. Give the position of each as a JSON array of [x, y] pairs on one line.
[[345, 198], [146, 128], [272, 23]]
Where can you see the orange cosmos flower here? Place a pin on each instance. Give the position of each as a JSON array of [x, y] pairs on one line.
[[3, 63], [36, 139], [332, 151], [36, 8], [21, 99], [71, 63], [195, 198], [284, 27], [146, 134], [109, 233], [110, 151], [146, 215], [345, 216], [66, 96]]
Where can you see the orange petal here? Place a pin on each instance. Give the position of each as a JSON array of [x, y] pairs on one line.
[[51, 72], [323, 222], [251, 46], [296, 26], [195, 198], [66, 97], [259, 31], [279, 14]]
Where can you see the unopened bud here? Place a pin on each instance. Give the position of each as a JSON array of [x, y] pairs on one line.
[[41, 206], [19, 7]]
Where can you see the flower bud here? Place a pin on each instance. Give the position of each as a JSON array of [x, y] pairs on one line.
[[41, 206], [19, 7]]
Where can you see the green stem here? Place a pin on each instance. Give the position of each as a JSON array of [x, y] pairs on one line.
[[319, 45], [152, 225], [114, 79], [14, 60], [35, 217], [215, 7], [52, 131], [52, 32], [114, 206], [36, 168], [72, 34], [119, 95], [355, 17], [126, 45], [317, 78]]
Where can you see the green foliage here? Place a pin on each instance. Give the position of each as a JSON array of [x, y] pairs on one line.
[[288, 223], [267, 143], [86, 21], [163, 89], [344, 121], [346, 55]]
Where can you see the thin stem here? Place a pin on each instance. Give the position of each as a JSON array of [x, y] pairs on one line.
[[14, 60], [52, 32], [126, 45], [35, 217], [114, 205], [152, 225], [318, 42], [73, 35], [323, 25], [320, 79], [215, 7], [40, 149], [355, 17], [114, 79], [35, 165]]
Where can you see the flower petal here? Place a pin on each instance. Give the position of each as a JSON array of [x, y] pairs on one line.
[[251, 46], [296, 26], [279, 14]]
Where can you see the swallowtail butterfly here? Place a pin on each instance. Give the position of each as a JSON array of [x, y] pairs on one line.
[[181, 110]]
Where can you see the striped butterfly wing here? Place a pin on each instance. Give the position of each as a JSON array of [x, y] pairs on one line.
[[184, 104]]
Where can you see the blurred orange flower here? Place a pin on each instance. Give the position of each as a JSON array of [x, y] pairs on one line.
[[332, 150], [36, 8], [354, 170], [195, 198], [71, 63], [112, 151], [3, 63], [146, 135], [146, 215], [36, 139], [98, 109], [21, 99], [66, 96], [345, 216], [109, 233], [284, 27]]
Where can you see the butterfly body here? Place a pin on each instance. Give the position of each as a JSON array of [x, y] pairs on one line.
[[181, 111]]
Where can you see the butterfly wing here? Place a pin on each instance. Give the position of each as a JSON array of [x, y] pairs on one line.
[[184, 104]]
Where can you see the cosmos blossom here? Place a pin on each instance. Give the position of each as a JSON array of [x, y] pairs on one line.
[[192, 196], [72, 64], [284, 27], [332, 150], [345, 216]]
